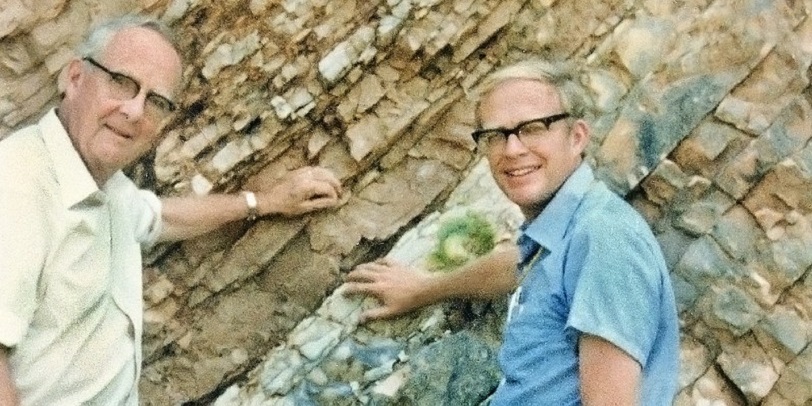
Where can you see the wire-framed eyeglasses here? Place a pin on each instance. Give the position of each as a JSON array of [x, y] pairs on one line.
[[123, 87]]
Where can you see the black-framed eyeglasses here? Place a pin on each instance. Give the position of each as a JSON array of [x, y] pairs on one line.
[[527, 131], [123, 87]]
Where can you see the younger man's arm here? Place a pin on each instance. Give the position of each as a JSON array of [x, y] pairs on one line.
[[401, 289]]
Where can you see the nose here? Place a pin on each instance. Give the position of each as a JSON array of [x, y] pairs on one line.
[[133, 109], [513, 145]]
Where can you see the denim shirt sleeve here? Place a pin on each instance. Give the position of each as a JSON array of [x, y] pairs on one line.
[[613, 282]]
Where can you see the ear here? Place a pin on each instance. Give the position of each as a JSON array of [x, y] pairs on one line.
[[580, 134], [70, 76]]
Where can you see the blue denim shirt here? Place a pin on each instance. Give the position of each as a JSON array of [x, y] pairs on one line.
[[590, 264]]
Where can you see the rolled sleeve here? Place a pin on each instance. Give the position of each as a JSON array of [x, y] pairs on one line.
[[148, 220], [140, 208]]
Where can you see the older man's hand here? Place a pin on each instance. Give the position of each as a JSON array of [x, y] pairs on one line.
[[300, 191]]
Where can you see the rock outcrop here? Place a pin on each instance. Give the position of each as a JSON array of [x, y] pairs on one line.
[[702, 121]]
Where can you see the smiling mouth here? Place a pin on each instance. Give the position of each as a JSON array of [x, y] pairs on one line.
[[521, 171], [119, 133]]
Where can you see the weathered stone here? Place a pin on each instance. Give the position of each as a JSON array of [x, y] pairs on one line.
[[705, 209], [391, 24], [738, 174], [681, 105], [368, 220], [665, 182], [641, 43], [607, 89], [338, 62], [738, 234], [788, 134], [686, 294], [786, 188], [458, 369], [749, 367], [773, 84], [314, 337], [784, 333], [701, 120], [794, 382], [695, 360], [365, 135], [14, 13], [706, 264], [229, 54], [158, 290], [231, 155], [16, 57], [731, 308], [53, 33], [674, 243], [160, 318], [281, 371], [341, 309], [710, 389], [790, 254], [698, 152], [499, 17]]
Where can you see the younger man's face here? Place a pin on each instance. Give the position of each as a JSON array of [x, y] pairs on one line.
[[530, 173]]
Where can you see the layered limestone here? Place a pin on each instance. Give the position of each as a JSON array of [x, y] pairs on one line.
[[702, 121]]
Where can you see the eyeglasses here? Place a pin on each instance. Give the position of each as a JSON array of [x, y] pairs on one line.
[[527, 131], [123, 87]]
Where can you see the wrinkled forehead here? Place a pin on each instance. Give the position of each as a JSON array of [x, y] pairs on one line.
[[147, 56]]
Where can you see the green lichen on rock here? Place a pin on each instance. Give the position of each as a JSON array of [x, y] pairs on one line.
[[460, 240]]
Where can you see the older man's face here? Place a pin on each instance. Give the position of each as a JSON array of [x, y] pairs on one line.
[[110, 128]]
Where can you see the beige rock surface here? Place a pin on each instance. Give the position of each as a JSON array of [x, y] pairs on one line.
[[702, 121]]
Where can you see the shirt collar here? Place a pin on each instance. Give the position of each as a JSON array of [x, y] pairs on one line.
[[549, 227], [75, 183]]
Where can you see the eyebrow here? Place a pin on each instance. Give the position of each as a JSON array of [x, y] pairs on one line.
[[172, 104], [547, 121]]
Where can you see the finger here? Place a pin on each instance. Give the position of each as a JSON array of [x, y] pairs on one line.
[[326, 176], [322, 188], [319, 203], [304, 170], [368, 273], [355, 289], [368, 269], [333, 182], [375, 268], [361, 274], [304, 194], [385, 261], [319, 173], [376, 313], [296, 176]]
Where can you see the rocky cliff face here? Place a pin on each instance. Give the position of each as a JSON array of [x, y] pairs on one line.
[[702, 121]]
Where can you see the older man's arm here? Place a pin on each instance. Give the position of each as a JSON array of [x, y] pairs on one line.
[[299, 192], [8, 391]]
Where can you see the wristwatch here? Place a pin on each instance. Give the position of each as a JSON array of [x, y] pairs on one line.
[[251, 202]]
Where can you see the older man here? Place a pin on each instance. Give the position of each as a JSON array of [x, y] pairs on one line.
[[592, 316], [72, 224]]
